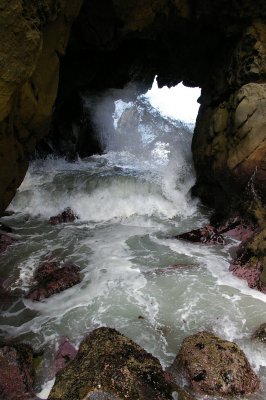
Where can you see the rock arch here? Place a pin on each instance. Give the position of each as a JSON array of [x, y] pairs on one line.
[[219, 46]]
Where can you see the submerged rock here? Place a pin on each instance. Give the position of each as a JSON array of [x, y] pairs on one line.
[[215, 366], [66, 216], [207, 234], [110, 366], [53, 279], [5, 241], [16, 372]]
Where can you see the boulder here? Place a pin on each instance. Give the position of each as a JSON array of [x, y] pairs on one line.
[[260, 333], [111, 366], [66, 216], [215, 366], [51, 279], [16, 372], [207, 234]]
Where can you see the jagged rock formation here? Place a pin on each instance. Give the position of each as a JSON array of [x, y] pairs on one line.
[[219, 46]]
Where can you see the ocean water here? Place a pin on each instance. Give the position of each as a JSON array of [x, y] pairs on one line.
[[131, 201]]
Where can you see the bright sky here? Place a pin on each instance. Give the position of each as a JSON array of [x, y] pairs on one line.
[[179, 102]]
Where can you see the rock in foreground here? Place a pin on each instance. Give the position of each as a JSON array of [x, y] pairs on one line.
[[52, 279], [16, 373], [112, 367], [215, 366]]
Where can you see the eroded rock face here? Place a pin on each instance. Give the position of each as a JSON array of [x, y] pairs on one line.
[[215, 366], [110, 366], [34, 36], [229, 143]]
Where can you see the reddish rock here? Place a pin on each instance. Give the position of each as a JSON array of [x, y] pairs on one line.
[[247, 266], [46, 269], [65, 353], [237, 228], [51, 280], [215, 366], [66, 216], [16, 372], [207, 234], [251, 273], [5, 241]]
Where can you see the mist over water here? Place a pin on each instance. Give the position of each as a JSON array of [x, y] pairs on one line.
[[130, 201]]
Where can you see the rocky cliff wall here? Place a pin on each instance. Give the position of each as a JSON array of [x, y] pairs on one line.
[[34, 35]]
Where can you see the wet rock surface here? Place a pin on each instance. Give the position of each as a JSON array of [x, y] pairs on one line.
[[16, 372], [111, 366], [65, 216], [260, 333], [250, 261], [51, 278], [215, 366], [207, 234], [65, 353], [5, 241]]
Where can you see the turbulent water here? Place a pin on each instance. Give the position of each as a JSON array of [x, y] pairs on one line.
[[130, 202]]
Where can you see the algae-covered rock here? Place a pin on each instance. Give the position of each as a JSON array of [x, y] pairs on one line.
[[111, 366], [215, 366]]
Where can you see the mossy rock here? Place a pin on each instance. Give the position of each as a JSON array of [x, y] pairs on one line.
[[215, 366], [111, 366]]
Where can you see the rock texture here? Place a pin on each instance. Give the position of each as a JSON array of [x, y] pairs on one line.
[[51, 278], [110, 366], [16, 372], [260, 333], [215, 366], [250, 262], [34, 36]]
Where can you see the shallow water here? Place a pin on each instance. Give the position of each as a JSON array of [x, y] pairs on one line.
[[130, 204]]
